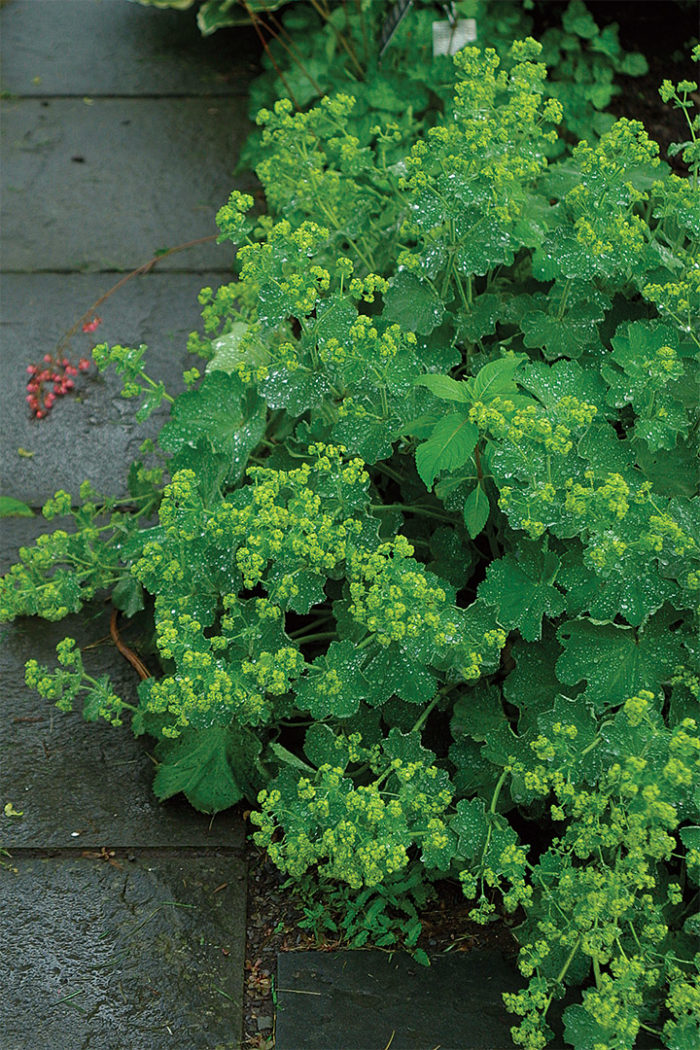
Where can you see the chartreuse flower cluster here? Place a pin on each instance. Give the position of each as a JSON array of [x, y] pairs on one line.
[[285, 533], [360, 834], [425, 570], [71, 680], [66, 568], [334, 49], [607, 895]]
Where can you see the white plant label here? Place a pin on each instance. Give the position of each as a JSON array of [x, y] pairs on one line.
[[449, 37]]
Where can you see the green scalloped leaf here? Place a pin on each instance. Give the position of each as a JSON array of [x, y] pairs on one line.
[[582, 1031], [616, 662], [334, 684], [412, 303], [214, 768], [219, 416], [521, 587], [439, 857], [471, 826], [323, 746]]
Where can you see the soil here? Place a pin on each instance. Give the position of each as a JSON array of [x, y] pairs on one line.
[[664, 31]]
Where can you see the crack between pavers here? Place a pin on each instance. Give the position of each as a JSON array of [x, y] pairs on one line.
[[164, 852], [155, 97], [106, 273]]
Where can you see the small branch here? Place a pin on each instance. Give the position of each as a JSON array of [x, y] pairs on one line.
[[126, 652], [144, 268]]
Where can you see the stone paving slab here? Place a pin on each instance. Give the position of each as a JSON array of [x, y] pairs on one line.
[[368, 1000], [144, 953], [21, 532], [95, 438], [113, 47], [79, 784], [364, 1000], [105, 185]]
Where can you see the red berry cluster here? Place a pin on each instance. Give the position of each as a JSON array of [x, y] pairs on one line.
[[55, 377], [52, 379]]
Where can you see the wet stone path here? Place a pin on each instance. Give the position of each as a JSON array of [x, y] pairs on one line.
[[122, 920]]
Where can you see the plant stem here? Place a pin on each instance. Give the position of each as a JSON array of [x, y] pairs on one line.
[[423, 718], [339, 37], [383, 508], [144, 268], [319, 636], [562, 973]]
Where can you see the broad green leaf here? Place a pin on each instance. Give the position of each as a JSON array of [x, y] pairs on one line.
[[586, 761], [476, 511], [220, 14], [221, 416], [288, 758], [616, 662], [127, 596], [445, 388], [334, 684], [322, 745], [453, 558], [522, 588], [578, 19], [607, 43], [14, 508], [634, 64], [606, 454], [439, 856], [211, 468], [581, 1030], [474, 774], [478, 711], [413, 304], [690, 837], [560, 258], [567, 336], [471, 825], [392, 672], [227, 353], [672, 473], [496, 379], [503, 744], [372, 439], [532, 685], [633, 589], [294, 391], [551, 383], [212, 767], [335, 317], [451, 444], [481, 318], [407, 747], [493, 244], [309, 585], [692, 927], [639, 374], [502, 836]]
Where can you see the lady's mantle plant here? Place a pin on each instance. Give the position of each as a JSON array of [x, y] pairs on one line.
[[426, 571], [385, 55]]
